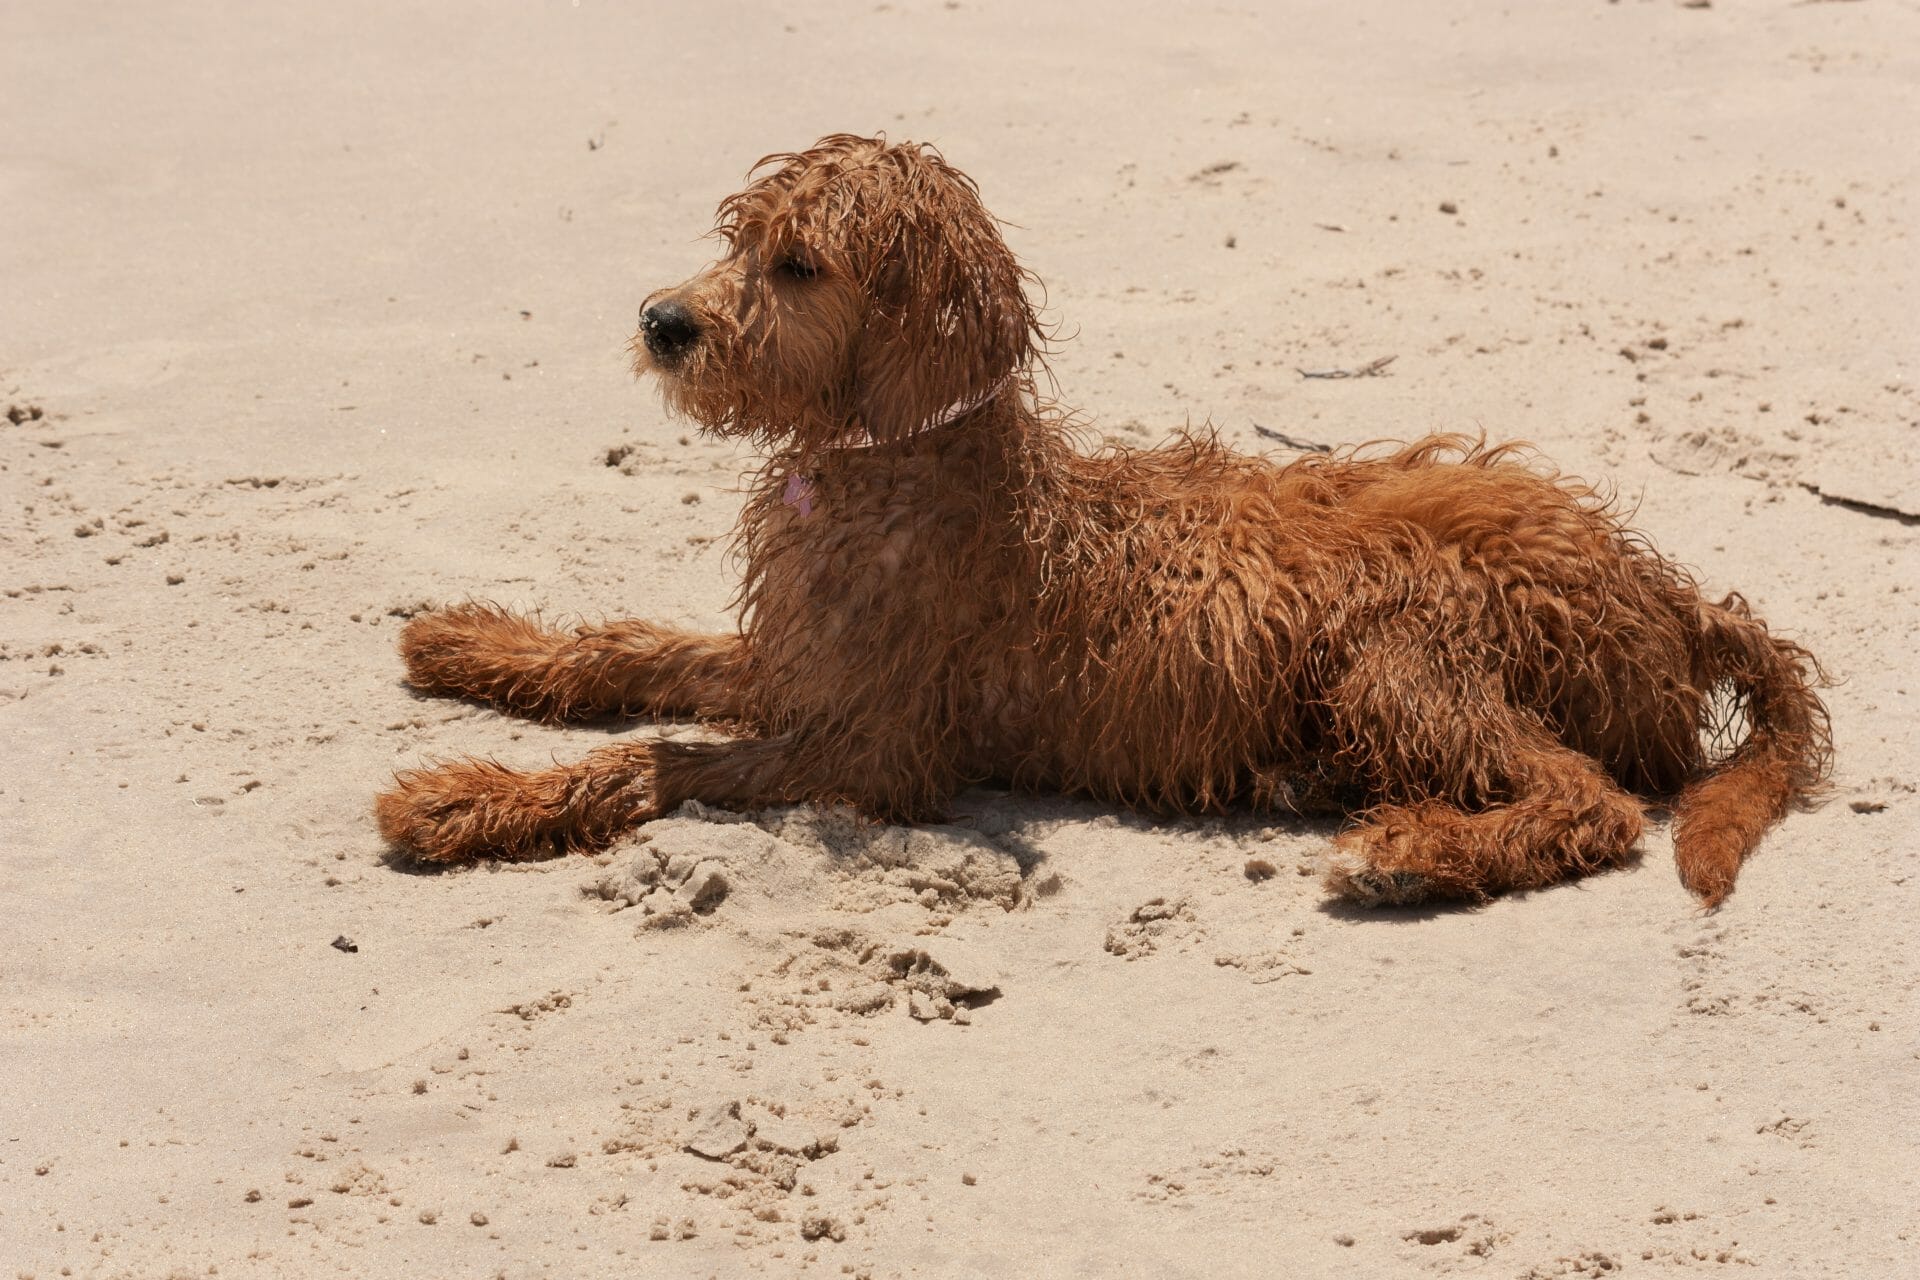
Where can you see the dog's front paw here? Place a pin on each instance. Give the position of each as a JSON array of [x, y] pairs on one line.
[[469, 810], [479, 809], [472, 649]]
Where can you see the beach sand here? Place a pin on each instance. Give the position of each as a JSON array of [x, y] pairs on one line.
[[315, 316]]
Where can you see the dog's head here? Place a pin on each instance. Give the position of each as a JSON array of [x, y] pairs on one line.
[[865, 293]]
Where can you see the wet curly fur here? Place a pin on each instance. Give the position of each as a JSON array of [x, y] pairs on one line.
[[1472, 655]]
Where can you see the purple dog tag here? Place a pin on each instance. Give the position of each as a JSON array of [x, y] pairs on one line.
[[799, 493]]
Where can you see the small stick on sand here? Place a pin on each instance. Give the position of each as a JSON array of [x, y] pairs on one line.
[[1305, 446], [1371, 369]]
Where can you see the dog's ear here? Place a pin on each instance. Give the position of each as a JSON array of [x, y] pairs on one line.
[[949, 321]]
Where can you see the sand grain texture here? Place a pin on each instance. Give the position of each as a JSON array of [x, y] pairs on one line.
[[314, 316]]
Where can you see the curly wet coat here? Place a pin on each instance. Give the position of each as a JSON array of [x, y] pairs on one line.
[[1473, 656]]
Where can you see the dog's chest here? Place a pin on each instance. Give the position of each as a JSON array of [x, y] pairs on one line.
[[888, 585]]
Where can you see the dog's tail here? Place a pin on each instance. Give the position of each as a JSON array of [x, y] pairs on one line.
[[1785, 757]]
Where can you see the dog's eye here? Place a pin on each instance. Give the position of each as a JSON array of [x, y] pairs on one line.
[[798, 268]]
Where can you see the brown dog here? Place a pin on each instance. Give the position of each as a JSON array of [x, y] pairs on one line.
[[1475, 655]]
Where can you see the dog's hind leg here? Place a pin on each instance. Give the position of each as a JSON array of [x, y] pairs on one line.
[[615, 669], [1540, 811], [1567, 819]]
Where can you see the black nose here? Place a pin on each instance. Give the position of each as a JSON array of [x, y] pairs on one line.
[[668, 328]]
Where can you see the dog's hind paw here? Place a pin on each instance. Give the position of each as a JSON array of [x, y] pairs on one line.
[[1357, 880]]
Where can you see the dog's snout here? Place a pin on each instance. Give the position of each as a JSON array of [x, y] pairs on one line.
[[668, 328]]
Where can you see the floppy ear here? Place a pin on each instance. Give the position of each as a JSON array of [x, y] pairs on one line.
[[948, 320]]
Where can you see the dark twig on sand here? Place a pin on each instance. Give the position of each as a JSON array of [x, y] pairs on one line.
[[1305, 446], [1371, 369]]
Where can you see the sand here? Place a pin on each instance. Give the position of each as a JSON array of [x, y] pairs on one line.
[[314, 315]]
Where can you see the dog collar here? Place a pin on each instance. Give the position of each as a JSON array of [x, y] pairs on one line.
[[960, 408], [945, 417], [798, 493]]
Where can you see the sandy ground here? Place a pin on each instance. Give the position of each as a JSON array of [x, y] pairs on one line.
[[313, 314]]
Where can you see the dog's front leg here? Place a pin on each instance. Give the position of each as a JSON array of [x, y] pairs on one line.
[[628, 668], [476, 808]]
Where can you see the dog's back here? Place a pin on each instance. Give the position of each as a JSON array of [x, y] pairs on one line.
[[1207, 609]]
